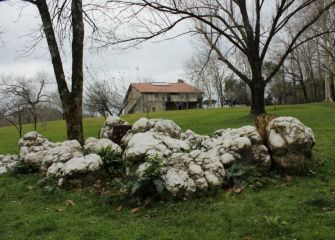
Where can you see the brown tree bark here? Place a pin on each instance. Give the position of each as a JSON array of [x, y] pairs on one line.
[[71, 100], [257, 88]]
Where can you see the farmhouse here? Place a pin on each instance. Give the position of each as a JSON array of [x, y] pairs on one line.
[[161, 96]]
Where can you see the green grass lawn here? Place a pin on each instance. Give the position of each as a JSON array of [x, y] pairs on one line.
[[303, 208]]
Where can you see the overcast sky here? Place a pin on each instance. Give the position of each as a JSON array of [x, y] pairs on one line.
[[157, 61]]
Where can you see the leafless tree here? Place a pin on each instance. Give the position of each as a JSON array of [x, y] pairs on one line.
[[30, 93], [328, 46], [12, 111], [248, 27], [62, 20], [198, 71], [102, 96]]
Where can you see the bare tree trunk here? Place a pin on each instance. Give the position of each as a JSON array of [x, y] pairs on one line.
[[71, 101], [20, 125], [257, 98], [332, 86], [73, 117], [34, 112], [257, 85], [329, 80], [301, 80], [328, 59]]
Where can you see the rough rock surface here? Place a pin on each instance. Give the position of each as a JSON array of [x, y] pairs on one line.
[[63, 160], [162, 126], [187, 173], [290, 142], [107, 129], [94, 145], [34, 147], [60, 154], [7, 162], [184, 171], [141, 145], [243, 145], [81, 165]]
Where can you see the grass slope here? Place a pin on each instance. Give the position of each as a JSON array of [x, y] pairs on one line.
[[303, 208]]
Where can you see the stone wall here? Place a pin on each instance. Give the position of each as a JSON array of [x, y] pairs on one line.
[[188, 163]]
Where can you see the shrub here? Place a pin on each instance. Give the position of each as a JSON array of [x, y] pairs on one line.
[[112, 161], [245, 176], [150, 182], [24, 168]]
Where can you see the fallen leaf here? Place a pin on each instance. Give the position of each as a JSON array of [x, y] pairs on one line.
[[60, 210], [238, 190], [325, 209], [288, 178], [70, 203], [134, 210], [119, 209], [30, 187]]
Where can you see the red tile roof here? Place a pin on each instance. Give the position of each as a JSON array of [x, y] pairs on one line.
[[179, 87]]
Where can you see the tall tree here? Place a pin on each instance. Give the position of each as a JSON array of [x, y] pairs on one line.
[[198, 71], [327, 22], [102, 97], [249, 27], [63, 20]]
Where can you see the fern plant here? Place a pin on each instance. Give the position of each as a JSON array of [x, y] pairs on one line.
[[112, 161], [150, 182]]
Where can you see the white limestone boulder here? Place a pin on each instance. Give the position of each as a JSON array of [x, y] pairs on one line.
[[88, 164], [34, 147], [94, 145], [186, 174], [195, 140], [141, 145], [107, 129], [76, 167], [237, 145], [8, 162], [291, 143], [247, 140], [60, 154], [162, 126], [3, 170]]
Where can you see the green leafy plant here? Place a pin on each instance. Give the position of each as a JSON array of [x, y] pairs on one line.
[[113, 161], [245, 176], [150, 181], [24, 168]]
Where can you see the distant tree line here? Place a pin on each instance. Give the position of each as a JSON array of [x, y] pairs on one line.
[[36, 100]]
